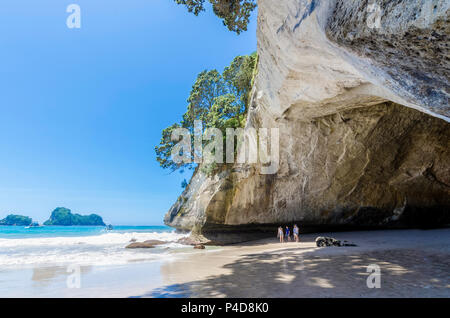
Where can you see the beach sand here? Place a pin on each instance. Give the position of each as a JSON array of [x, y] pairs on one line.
[[413, 263]]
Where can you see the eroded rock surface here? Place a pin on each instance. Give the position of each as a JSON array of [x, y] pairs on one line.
[[363, 118]]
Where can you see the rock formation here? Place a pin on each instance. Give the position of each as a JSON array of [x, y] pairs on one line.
[[14, 219], [323, 241], [145, 244], [359, 91], [64, 217]]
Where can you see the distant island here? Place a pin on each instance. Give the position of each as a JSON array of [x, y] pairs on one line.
[[14, 219], [63, 216], [59, 216]]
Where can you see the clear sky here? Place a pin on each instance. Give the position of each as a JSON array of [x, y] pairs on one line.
[[82, 109]]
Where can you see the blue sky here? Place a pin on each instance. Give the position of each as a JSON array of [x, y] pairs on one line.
[[82, 109]]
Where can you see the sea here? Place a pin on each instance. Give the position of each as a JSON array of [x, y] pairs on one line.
[[82, 245], [86, 261]]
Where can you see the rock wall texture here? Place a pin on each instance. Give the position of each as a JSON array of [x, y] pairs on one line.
[[363, 118]]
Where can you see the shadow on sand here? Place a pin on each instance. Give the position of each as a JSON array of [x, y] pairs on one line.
[[288, 273]]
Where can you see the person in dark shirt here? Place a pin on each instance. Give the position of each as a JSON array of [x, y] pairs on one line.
[[288, 234]]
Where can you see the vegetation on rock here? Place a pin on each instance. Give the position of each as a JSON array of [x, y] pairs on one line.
[[63, 216], [14, 219]]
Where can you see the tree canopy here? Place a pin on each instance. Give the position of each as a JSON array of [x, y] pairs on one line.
[[235, 14], [217, 100]]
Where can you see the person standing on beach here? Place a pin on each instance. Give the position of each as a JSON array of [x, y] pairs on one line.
[[296, 232], [288, 234], [280, 234]]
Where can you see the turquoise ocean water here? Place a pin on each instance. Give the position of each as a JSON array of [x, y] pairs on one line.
[[83, 245], [21, 232]]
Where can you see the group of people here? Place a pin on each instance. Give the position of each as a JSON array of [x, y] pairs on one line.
[[285, 236]]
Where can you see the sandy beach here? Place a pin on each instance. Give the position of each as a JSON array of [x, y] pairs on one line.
[[413, 263]]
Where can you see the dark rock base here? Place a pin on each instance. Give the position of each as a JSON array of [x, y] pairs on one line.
[[413, 217]]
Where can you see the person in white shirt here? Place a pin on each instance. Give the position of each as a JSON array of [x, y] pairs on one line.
[[280, 234], [296, 233]]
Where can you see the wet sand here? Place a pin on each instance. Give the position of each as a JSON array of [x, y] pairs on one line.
[[413, 263]]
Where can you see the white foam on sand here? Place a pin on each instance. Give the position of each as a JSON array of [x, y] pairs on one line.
[[104, 249]]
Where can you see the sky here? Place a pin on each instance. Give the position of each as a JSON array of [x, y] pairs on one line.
[[81, 110]]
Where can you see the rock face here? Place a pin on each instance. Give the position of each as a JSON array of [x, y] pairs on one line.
[[362, 110]]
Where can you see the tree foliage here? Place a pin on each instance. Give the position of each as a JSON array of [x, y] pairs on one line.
[[235, 14], [217, 101]]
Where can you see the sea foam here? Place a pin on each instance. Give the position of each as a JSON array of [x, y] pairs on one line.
[[103, 249]]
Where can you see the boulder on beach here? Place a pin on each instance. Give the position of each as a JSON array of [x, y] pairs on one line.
[[145, 244], [140, 245], [323, 241], [195, 239], [155, 242], [199, 247], [190, 240]]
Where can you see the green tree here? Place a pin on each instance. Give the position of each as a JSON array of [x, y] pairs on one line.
[[216, 100], [164, 150], [235, 14], [208, 86]]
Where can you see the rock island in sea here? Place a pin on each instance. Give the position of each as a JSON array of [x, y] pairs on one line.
[[63, 216]]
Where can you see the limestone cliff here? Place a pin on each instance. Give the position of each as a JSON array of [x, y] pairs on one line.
[[359, 91]]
